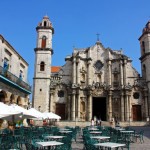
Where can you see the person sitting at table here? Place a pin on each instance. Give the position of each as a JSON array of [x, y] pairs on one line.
[[17, 125], [31, 122], [44, 123]]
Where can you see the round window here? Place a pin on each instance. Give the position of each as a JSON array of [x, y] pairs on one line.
[[136, 95]]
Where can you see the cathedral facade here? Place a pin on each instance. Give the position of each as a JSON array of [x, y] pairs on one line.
[[95, 82]]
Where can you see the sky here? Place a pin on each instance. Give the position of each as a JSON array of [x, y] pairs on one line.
[[76, 23]]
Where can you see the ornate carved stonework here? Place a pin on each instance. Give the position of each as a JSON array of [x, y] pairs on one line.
[[98, 92]]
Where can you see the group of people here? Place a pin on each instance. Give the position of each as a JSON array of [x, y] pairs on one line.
[[98, 122]]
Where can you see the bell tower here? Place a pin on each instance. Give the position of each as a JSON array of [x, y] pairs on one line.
[[145, 59], [145, 52], [42, 66]]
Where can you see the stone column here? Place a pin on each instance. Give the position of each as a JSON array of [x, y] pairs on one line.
[[130, 107], [51, 101], [89, 73], [126, 108], [146, 104], [74, 70], [122, 107], [78, 71], [73, 106], [124, 73], [7, 99], [121, 74], [78, 109], [109, 73], [69, 107], [89, 67], [110, 104], [89, 106], [15, 99]]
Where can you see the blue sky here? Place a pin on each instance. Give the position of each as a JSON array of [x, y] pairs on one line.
[[76, 23]]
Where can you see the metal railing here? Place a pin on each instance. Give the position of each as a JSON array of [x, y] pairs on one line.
[[8, 75]]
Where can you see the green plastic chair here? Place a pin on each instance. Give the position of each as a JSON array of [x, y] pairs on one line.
[[139, 136]]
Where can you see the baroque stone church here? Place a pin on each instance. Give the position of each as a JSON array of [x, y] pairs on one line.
[[95, 82]]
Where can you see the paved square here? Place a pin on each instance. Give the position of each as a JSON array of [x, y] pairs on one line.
[[134, 146]]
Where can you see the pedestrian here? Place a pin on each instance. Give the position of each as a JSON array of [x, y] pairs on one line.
[[100, 122], [92, 122], [111, 122], [97, 122]]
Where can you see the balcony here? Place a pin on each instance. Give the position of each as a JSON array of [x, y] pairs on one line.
[[13, 80]]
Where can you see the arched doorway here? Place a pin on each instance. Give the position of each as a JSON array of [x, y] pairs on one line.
[[2, 96]]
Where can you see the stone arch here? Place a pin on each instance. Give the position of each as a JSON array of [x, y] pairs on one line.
[[3, 96], [19, 101], [42, 66], [45, 23], [43, 43]]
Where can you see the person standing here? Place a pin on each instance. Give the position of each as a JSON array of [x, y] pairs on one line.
[[92, 122], [100, 122]]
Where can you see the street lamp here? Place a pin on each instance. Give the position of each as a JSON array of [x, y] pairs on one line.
[[39, 108], [29, 105]]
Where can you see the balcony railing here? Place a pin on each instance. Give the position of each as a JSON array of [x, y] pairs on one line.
[[8, 75]]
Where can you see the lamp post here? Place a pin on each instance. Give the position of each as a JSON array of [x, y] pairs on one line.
[[29, 105], [39, 108]]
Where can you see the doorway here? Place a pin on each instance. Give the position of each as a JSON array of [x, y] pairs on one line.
[[60, 110], [99, 108], [136, 110]]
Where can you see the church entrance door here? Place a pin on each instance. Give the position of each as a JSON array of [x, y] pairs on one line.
[[60, 110], [136, 113], [99, 108]]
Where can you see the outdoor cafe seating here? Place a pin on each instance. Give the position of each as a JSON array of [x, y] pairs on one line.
[[111, 138], [37, 138]]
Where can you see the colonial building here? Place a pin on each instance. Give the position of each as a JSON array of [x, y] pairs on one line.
[[14, 87], [95, 82]]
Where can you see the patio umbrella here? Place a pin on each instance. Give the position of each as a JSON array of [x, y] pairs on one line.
[[24, 112], [38, 114], [5, 111], [51, 115], [21, 114]]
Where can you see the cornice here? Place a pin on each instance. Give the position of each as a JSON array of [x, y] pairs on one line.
[[41, 27], [43, 49], [142, 57]]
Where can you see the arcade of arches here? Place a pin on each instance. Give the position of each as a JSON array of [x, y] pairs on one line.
[[9, 98]]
